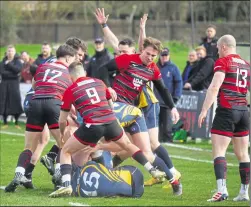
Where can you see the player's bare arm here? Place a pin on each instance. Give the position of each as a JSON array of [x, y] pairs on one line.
[[63, 121], [211, 95], [108, 34], [142, 32]]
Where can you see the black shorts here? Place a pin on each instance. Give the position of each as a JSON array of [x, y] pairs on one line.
[[91, 134], [231, 122], [41, 112]]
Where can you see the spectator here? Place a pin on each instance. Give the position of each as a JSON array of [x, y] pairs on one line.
[[173, 82], [202, 74], [26, 76], [10, 101], [100, 57], [191, 63], [45, 54], [210, 42]]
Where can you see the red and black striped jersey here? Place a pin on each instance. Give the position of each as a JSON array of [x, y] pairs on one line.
[[51, 80], [132, 77], [89, 96], [233, 91]]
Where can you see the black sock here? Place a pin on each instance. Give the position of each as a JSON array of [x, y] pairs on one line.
[[99, 160], [58, 156], [160, 164], [24, 158], [220, 168], [16, 116], [66, 170], [116, 160], [244, 169], [140, 157], [162, 153], [28, 171], [53, 152], [5, 119]]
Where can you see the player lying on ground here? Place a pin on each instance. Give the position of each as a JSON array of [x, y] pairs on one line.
[[91, 98], [232, 120]]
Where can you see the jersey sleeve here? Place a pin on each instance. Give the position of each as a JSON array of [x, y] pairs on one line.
[[157, 74], [220, 66], [122, 61], [67, 100]]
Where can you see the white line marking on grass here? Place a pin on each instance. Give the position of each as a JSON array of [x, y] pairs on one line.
[[199, 160], [2, 187], [77, 204], [19, 134], [192, 148]]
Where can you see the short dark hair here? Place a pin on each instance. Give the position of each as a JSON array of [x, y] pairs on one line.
[[64, 50], [211, 26], [76, 43], [33, 69], [127, 41], [46, 43]]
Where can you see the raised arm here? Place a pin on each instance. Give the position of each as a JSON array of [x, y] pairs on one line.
[[142, 32], [108, 34]]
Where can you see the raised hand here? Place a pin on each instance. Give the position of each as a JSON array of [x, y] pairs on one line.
[[143, 21], [100, 16]]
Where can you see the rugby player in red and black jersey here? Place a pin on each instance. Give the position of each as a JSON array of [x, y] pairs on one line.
[[92, 100], [231, 122], [51, 80]]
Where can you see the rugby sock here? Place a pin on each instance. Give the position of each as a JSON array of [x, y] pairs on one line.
[[23, 161], [53, 152], [57, 170], [160, 164], [66, 174], [29, 170], [5, 119], [58, 156], [220, 170], [244, 169], [162, 153], [140, 158], [116, 160]]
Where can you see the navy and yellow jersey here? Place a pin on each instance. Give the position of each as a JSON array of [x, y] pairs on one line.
[[95, 180], [146, 96], [130, 118]]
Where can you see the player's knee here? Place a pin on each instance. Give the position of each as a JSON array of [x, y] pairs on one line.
[[242, 156]]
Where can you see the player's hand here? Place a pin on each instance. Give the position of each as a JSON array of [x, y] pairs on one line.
[[202, 117], [113, 94], [143, 21], [175, 115], [100, 16], [187, 86]]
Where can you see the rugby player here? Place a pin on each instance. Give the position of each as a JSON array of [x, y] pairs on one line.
[[230, 85], [50, 82], [93, 101]]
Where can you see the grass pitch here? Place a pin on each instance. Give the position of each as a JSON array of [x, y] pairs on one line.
[[197, 178]]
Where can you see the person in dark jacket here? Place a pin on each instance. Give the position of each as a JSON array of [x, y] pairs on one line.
[[100, 57], [45, 54], [210, 42], [173, 81], [202, 74], [10, 101], [191, 63]]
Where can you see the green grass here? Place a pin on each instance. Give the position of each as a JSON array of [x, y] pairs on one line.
[[197, 178], [178, 50]]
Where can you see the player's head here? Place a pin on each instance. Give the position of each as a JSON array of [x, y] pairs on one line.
[[126, 46], [211, 31], [76, 70], [201, 52], [226, 45], [33, 69], [78, 45], [66, 54], [46, 49], [151, 48]]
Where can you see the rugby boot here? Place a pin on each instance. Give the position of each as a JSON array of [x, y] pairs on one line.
[[177, 188], [157, 174], [62, 192], [242, 197], [177, 176], [48, 163], [13, 185], [27, 183], [218, 197]]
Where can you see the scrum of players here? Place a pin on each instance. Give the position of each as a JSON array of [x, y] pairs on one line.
[[98, 122]]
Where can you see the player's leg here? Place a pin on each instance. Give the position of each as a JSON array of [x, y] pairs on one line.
[[34, 127], [222, 132], [240, 143]]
